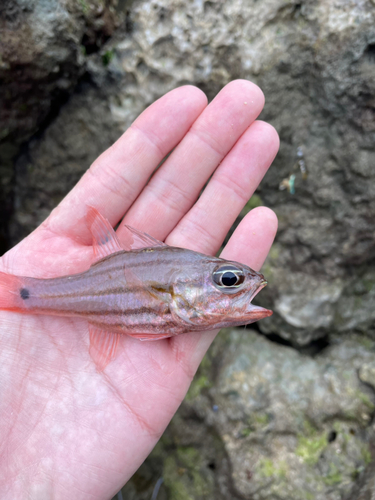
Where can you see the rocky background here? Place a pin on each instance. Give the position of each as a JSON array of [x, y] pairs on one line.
[[285, 411]]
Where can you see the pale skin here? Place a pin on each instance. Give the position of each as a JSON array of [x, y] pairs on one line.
[[68, 430]]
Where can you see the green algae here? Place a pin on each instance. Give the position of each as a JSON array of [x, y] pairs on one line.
[[267, 468], [254, 202], [366, 454], [261, 419], [84, 6], [366, 342], [333, 477], [256, 422], [271, 262], [311, 444], [364, 398], [308, 495], [201, 380], [108, 56], [368, 284], [183, 475], [198, 384]]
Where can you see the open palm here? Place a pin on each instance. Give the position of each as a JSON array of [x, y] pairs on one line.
[[67, 430]]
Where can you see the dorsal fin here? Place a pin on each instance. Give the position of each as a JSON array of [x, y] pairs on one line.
[[105, 241], [135, 239]]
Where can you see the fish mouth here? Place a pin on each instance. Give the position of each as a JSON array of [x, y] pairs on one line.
[[260, 287], [256, 312]]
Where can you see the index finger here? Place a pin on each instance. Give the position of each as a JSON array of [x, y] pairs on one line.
[[116, 178]]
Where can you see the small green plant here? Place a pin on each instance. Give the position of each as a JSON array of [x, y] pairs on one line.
[[108, 56], [84, 6]]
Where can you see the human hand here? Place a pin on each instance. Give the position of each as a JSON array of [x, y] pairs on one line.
[[67, 430]]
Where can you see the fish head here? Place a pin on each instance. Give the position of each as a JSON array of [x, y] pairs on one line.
[[219, 294]]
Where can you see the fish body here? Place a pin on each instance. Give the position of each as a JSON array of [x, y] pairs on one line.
[[148, 290]]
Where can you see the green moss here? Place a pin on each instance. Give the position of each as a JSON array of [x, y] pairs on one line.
[[206, 363], [246, 431], [84, 6], [333, 477], [108, 56], [262, 419], [201, 380], [364, 398], [270, 263], [310, 449], [309, 429], [255, 201], [268, 468], [308, 495], [199, 383], [274, 252], [311, 444], [173, 480], [159, 450], [189, 456], [183, 477], [255, 423], [366, 342], [366, 454], [368, 284]]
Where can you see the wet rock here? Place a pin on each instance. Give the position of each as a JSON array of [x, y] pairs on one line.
[[43, 52], [43, 48], [262, 421], [60, 157], [300, 425]]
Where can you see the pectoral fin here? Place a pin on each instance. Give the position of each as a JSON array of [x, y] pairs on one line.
[[105, 241], [103, 346]]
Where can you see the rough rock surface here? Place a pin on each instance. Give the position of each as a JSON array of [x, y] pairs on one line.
[[262, 421], [42, 56]]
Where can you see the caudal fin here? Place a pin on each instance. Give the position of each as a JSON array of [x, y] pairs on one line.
[[11, 290]]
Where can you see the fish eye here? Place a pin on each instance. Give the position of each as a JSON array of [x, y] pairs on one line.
[[228, 277]]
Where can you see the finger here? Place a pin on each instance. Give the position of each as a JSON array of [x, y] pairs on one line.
[[252, 240], [205, 226], [249, 244], [116, 178], [177, 184]]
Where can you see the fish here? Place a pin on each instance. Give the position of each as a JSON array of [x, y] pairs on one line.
[[142, 288]]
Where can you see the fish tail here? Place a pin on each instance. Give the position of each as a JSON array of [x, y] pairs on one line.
[[12, 292]]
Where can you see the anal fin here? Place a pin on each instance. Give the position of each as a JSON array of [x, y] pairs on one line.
[[103, 346]]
